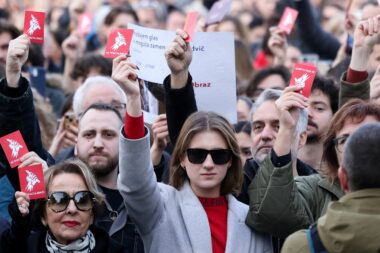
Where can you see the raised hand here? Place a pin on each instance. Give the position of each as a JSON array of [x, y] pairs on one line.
[[178, 55], [124, 73], [31, 158], [160, 138], [22, 200], [278, 44], [18, 51]]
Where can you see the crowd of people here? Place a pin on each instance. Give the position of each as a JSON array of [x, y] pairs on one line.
[[292, 174]]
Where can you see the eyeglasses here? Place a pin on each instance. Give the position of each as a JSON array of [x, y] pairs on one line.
[[59, 201], [340, 141], [198, 155]]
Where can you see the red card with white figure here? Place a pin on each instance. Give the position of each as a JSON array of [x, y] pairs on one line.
[[14, 148], [303, 76], [34, 23], [32, 181], [118, 43], [190, 25], [288, 19], [85, 22]]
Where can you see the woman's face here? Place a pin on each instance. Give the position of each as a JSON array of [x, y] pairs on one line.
[[206, 177], [70, 224], [348, 128]]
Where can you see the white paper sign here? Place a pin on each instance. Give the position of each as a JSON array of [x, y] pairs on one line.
[[212, 66]]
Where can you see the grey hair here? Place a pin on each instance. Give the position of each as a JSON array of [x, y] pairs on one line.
[[90, 82]]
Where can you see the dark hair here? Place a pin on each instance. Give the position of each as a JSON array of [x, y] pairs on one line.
[[6, 27], [329, 88], [243, 126], [355, 110], [361, 157], [84, 64], [116, 11], [102, 107], [263, 74]]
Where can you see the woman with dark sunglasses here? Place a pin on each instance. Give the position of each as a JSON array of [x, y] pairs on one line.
[[197, 211], [66, 215]]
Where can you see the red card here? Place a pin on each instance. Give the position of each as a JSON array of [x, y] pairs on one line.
[[190, 24], [288, 19], [303, 75], [85, 21], [118, 43], [218, 11], [32, 181], [14, 148], [34, 26]]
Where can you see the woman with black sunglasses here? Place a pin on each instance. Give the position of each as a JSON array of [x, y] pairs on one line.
[[197, 211], [66, 215]]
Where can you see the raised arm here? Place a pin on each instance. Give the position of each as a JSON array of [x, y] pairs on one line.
[[137, 181], [355, 83], [16, 106], [179, 92]]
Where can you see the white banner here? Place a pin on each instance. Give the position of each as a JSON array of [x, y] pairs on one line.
[[212, 66]]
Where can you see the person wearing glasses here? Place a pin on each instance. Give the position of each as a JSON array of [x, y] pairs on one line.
[[66, 215], [197, 212]]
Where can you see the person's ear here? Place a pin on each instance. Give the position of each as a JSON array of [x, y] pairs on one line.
[[43, 221], [303, 138], [343, 179]]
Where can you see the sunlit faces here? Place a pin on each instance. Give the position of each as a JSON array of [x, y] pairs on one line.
[[320, 114], [274, 81], [349, 127], [245, 144], [243, 110], [98, 141], [120, 22], [71, 224], [206, 178], [147, 17], [265, 125], [176, 20]]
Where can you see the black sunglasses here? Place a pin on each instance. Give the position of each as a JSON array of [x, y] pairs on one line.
[[59, 201], [219, 156]]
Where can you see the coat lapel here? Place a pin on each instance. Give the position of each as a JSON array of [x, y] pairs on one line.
[[195, 219]]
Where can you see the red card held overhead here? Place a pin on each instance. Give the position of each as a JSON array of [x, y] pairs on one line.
[[34, 23], [190, 25], [32, 181], [288, 19], [14, 148], [303, 76], [118, 43], [85, 21]]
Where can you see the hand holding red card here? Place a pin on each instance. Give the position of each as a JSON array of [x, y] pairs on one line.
[[34, 23], [303, 76], [118, 43], [14, 148], [288, 19], [190, 25], [32, 181]]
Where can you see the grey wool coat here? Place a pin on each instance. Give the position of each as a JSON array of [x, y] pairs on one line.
[[172, 221]]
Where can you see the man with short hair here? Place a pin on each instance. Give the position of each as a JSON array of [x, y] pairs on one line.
[[352, 223], [323, 103], [8, 32]]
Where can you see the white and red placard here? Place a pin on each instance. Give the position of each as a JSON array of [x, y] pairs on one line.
[[85, 22], [14, 148], [288, 19], [34, 24], [32, 181], [118, 43], [303, 76]]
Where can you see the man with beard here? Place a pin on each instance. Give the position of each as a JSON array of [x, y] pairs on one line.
[[323, 103]]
